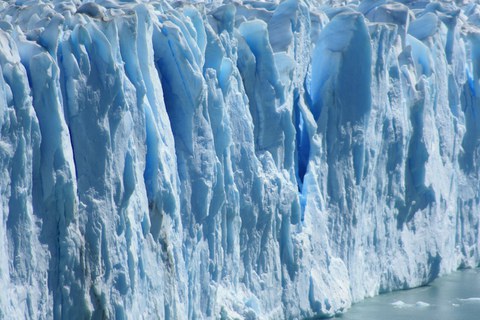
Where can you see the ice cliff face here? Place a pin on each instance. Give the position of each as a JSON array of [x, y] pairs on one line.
[[253, 160]]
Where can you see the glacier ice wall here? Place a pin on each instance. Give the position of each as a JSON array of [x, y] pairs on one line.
[[250, 160]]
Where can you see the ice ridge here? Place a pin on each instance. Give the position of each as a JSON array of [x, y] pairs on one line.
[[252, 160]]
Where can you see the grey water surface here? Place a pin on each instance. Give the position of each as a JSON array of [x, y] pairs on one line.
[[451, 297]]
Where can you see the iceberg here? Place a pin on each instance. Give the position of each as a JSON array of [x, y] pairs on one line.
[[252, 160]]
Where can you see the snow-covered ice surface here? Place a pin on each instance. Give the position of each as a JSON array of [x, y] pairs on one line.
[[174, 160]]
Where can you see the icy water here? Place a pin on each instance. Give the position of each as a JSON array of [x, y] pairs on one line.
[[452, 297]]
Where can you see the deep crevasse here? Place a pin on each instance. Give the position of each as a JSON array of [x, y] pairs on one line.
[[252, 160]]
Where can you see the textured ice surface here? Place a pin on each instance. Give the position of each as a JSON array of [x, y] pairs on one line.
[[254, 160]]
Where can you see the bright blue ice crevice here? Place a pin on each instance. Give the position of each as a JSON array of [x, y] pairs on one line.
[[470, 82], [303, 141]]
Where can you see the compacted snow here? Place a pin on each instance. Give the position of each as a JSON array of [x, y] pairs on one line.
[[256, 160]]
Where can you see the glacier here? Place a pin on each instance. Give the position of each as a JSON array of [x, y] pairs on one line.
[[222, 160]]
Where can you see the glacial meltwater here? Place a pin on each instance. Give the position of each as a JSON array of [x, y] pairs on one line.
[[451, 297]]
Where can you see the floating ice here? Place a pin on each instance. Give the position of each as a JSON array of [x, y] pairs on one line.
[[473, 299], [422, 304], [400, 304]]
